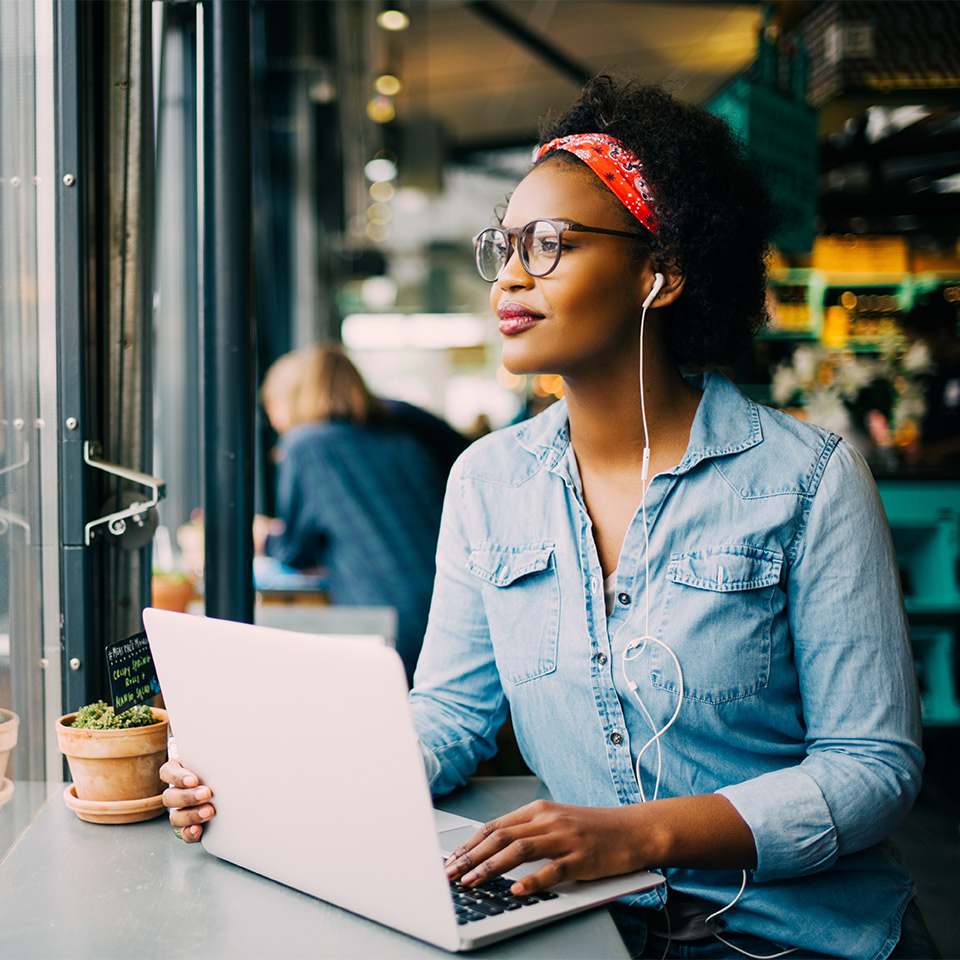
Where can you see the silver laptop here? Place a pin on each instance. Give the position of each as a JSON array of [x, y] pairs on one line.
[[309, 746]]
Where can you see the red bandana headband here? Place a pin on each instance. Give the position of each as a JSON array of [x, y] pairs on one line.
[[618, 167]]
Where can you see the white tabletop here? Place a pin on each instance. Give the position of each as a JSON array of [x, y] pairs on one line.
[[75, 889]]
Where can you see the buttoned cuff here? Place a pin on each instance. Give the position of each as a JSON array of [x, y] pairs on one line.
[[791, 823]]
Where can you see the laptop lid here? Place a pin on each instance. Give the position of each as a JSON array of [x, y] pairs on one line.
[[308, 743]]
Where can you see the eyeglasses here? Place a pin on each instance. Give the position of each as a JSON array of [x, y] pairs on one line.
[[540, 243]]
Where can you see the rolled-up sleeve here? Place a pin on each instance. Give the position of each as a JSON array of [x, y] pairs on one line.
[[863, 763], [457, 700]]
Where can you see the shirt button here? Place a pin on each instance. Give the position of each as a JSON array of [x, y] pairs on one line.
[[616, 738], [624, 598], [601, 658]]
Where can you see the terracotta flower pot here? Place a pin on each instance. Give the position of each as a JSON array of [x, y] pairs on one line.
[[8, 740], [171, 594], [115, 765]]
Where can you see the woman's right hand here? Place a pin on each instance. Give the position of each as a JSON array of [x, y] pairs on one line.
[[187, 799]]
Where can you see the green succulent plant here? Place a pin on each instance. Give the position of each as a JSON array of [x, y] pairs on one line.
[[100, 716]]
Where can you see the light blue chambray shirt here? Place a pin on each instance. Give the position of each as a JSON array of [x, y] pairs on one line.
[[772, 579]]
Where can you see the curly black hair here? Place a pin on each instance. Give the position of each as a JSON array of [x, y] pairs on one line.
[[715, 218]]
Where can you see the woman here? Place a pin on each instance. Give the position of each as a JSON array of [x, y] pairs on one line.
[[689, 602], [359, 488]]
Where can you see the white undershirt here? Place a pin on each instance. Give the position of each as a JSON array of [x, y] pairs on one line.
[[609, 591], [609, 582]]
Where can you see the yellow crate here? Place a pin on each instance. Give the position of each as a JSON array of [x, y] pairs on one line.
[[849, 253]]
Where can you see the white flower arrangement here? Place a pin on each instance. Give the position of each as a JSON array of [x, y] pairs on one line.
[[878, 395]]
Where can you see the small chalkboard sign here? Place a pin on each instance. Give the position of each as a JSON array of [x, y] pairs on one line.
[[133, 677]]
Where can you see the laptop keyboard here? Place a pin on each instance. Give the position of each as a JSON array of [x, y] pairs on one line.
[[490, 899]]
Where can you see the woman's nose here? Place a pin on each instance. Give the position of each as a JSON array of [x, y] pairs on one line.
[[512, 274]]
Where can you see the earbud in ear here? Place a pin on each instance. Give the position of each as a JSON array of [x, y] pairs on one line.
[[658, 282]]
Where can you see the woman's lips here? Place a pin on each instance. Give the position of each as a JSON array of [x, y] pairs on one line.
[[515, 318]]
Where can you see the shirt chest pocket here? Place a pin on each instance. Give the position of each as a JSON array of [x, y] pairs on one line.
[[521, 597], [721, 604]]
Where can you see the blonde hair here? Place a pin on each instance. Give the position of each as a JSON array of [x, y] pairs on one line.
[[278, 392], [316, 384]]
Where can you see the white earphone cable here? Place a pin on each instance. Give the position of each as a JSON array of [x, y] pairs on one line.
[[639, 645], [754, 956]]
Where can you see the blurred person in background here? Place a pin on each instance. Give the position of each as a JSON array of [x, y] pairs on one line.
[[933, 321], [360, 485]]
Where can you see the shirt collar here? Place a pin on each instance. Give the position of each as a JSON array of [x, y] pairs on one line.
[[546, 435], [726, 422]]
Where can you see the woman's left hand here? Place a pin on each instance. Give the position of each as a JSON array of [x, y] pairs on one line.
[[581, 843]]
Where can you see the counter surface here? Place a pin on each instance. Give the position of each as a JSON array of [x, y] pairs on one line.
[[75, 889]]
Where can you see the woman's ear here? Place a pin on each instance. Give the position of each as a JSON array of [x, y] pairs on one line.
[[664, 282]]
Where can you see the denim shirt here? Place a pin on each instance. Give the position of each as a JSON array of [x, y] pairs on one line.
[[364, 502], [772, 580]]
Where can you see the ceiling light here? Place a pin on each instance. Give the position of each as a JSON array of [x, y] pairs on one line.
[[387, 84], [323, 91], [381, 191], [377, 232], [380, 169], [379, 213], [393, 19], [417, 331], [380, 109]]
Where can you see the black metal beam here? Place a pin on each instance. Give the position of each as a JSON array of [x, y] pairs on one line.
[[75, 182], [228, 335], [516, 30], [904, 144], [926, 213]]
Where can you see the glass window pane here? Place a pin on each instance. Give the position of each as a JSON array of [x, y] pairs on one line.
[[20, 534]]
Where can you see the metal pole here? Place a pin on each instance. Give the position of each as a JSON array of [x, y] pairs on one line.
[[177, 321], [228, 338], [74, 305]]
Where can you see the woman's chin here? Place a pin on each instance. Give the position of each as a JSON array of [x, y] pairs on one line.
[[519, 361]]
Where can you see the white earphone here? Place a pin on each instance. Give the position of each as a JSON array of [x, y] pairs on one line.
[[658, 282], [636, 647]]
